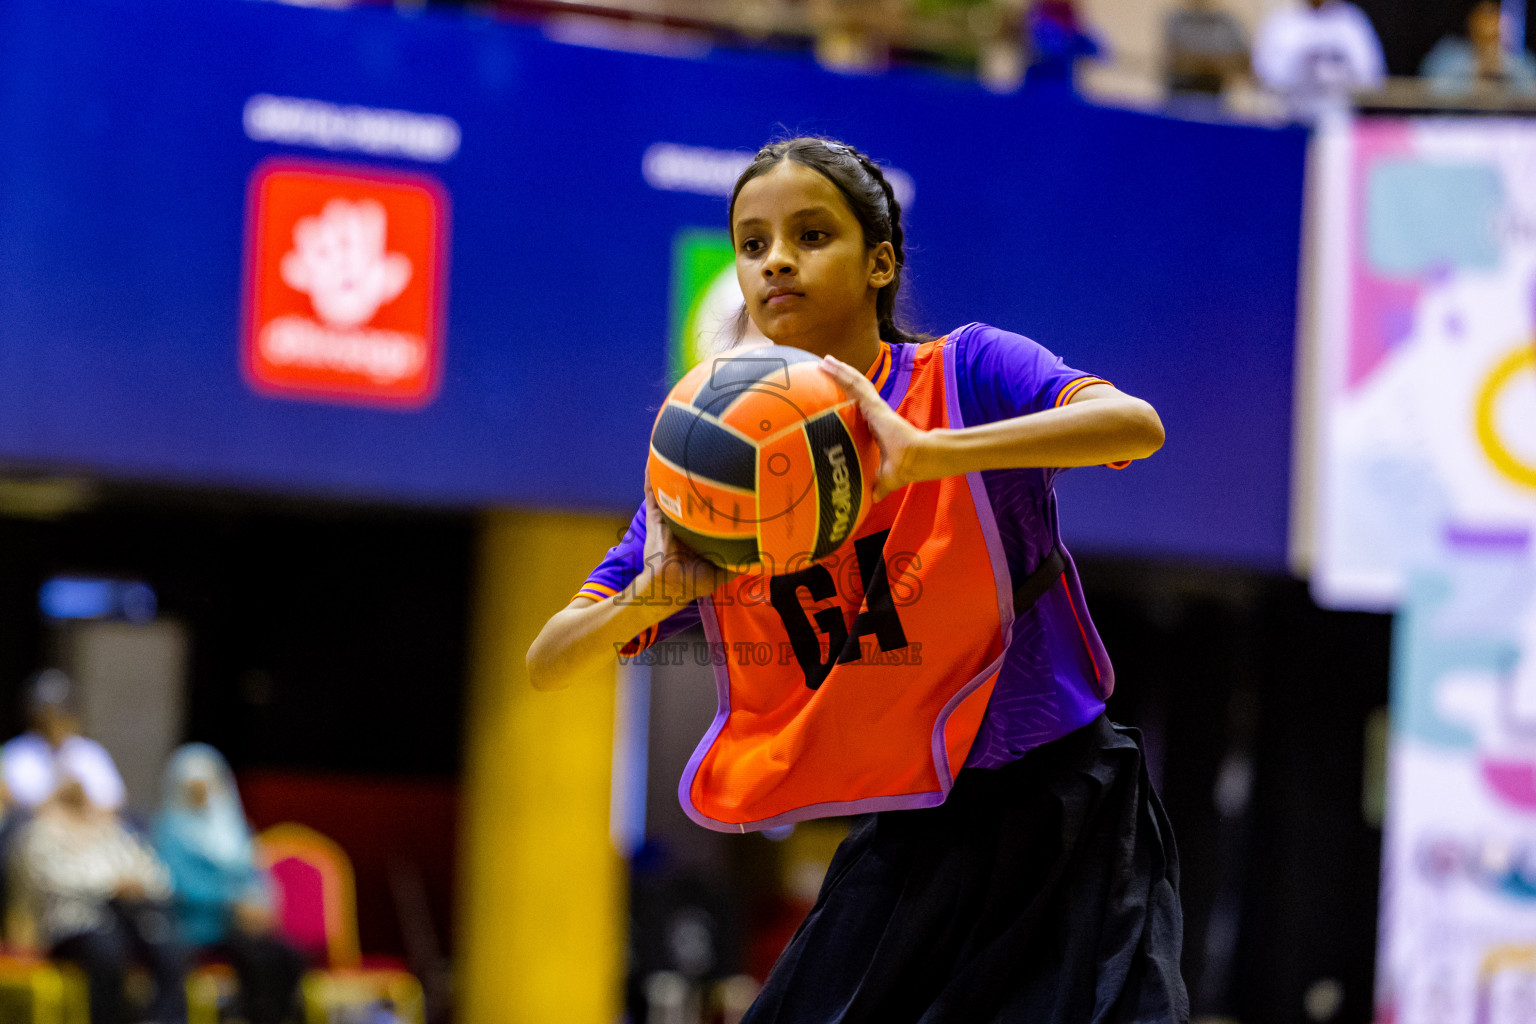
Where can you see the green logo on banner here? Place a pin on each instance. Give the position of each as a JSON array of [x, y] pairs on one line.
[[705, 296]]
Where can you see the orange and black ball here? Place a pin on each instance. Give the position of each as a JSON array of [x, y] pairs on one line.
[[758, 456]]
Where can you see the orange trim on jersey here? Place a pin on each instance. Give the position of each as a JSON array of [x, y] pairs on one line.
[[1066, 393], [641, 642], [592, 588], [882, 367], [1065, 396]]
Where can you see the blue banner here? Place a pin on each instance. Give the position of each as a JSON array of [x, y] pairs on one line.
[[155, 251]]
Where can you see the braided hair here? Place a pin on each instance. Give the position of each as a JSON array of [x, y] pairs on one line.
[[870, 197]]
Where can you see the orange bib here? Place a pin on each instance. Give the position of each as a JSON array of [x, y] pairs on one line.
[[859, 683]]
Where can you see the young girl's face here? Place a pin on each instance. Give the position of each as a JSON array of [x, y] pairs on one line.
[[805, 272]]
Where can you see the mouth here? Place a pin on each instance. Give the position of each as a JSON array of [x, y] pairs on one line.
[[777, 297]]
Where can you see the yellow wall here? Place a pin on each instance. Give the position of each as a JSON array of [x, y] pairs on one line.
[[541, 890]]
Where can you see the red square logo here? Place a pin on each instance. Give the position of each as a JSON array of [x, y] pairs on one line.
[[344, 284]]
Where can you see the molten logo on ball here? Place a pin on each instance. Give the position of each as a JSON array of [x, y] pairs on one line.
[[842, 494]]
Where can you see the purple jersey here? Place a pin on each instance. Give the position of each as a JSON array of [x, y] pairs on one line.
[[1056, 673]]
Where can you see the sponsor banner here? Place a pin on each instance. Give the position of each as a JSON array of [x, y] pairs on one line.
[[1458, 899], [344, 284], [147, 330], [1424, 492], [1424, 371]]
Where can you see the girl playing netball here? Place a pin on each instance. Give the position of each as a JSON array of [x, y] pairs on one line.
[[1014, 864]]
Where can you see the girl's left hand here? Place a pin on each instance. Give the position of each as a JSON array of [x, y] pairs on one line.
[[899, 440]]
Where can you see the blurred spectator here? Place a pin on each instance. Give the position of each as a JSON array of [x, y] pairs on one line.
[[33, 763], [856, 35], [96, 896], [1057, 38], [1462, 65], [1313, 55], [1205, 49], [1001, 51], [222, 899]]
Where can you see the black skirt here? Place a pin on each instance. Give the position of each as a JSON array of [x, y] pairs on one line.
[[1046, 890]]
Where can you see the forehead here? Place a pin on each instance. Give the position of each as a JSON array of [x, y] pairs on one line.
[[787, 189]]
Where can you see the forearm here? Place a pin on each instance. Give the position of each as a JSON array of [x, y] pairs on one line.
[[584, 637], [1089, 433]]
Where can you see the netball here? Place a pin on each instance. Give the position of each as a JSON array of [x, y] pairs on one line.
[[761, 457]]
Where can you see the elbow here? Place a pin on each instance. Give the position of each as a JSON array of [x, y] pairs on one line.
[[1147, 429]]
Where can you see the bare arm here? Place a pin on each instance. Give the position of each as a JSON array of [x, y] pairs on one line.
[[1100, 424], [586, 633]]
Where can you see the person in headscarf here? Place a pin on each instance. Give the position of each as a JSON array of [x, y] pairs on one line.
[[222, 899], [96, 896]]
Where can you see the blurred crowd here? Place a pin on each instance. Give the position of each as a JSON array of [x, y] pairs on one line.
[[1310, 55], [1307, 56], [93, 884]]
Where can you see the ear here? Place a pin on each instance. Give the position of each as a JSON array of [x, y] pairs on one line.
[[882, 265]]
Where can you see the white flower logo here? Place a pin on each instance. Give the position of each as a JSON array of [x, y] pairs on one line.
[[338, 259]]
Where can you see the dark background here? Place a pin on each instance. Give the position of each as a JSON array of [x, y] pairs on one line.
[[328, 660], [1237, 676], [323, 637]]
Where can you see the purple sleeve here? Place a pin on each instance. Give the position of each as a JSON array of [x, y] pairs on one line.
[[621, 565], [1008, 375]]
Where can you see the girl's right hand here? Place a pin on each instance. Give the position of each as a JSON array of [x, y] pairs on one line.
[[674, 572]]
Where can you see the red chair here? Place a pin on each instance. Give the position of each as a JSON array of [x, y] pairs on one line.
[[317, 912]]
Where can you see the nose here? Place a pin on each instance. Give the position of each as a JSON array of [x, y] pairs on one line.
[[779, 261]]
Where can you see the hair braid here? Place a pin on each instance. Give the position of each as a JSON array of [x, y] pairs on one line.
[[885, 304], [892, 207]]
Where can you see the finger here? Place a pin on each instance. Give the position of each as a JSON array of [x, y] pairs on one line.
[[857, 387], [844, 374], [652, 510], [664, 531]]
